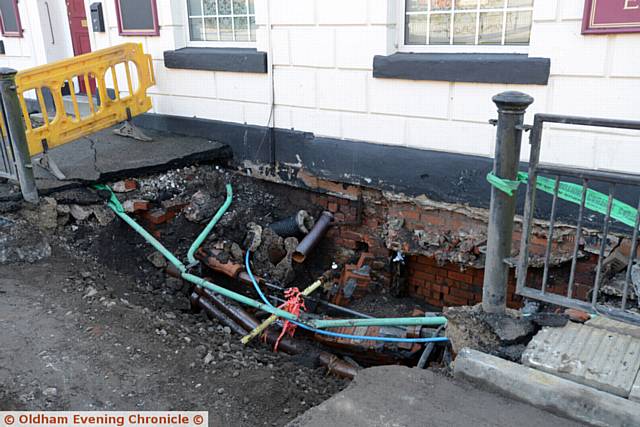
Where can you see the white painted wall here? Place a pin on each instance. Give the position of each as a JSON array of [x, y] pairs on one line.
[[322, 57]]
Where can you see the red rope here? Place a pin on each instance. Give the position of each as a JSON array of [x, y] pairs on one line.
[[294, 304]]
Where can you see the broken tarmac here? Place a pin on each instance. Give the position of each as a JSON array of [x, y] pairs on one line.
[[106, 156]]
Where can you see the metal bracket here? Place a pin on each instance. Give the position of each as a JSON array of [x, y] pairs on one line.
[[129, 130], [47, 162], [493, 122], [524, 128]]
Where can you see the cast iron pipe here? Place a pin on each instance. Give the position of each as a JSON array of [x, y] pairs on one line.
[[295, 225], [249, 323], [213, 312], [337, 366], [237, 315], [193, 301], [313, 238]]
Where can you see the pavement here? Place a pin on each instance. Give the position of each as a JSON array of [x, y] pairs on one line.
[[601, 356], [106, 156], [401, 396]]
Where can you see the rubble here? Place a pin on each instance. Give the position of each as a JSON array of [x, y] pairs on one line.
[[44, 215], [157, 260], [201, 207], [500, 335], [22, 243], [124, 186], [79, 213]]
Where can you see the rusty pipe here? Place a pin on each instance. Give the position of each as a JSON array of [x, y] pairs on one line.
[[313, 238], [194, 302], [213, 312], [249, 322], [337, 366]]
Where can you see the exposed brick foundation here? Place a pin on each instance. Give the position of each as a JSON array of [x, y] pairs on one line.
[[442, 244], [447, 285]]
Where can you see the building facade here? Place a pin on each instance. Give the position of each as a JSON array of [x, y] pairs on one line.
[[335, 70]]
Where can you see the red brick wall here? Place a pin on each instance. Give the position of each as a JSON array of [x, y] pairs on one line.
[[448, 285], [447, 272]]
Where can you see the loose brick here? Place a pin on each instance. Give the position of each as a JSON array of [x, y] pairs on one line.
[[136, 205], [159, 216], [124, 186]]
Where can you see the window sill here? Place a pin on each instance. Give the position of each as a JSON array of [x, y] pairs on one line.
[[464, 67], [239, 60]]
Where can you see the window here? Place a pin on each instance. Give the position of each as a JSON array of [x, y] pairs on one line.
[[137, 17], [467, 22], [221, 20], [10, 19]]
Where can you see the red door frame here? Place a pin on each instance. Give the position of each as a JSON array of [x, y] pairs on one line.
[[79, 27]]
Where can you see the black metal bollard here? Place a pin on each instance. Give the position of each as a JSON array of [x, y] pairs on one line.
[[511, 109], [16, 131]]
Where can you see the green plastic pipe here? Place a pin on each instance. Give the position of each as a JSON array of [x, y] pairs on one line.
[[115, 205], [198, 281], [397, 321], [196, 244]]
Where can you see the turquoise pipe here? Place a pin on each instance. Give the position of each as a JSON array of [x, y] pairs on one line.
[[196, 244], [398, 321], [115, 205], [198, 281]]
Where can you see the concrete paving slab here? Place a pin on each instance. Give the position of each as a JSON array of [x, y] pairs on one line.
[[605, 360], [602, 322], [549, 392], [106, 156], [401, 396]]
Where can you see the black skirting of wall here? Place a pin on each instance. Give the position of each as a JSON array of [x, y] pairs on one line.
[[441, 176]]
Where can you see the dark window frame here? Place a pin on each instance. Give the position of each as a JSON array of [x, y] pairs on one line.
[[20, 31], [139, 32]]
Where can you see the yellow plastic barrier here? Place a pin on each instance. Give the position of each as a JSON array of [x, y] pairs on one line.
[[67, 126]]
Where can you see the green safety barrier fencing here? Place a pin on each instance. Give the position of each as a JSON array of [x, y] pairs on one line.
[[571, 192]]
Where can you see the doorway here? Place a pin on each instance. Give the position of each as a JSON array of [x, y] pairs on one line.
[[79, 26]]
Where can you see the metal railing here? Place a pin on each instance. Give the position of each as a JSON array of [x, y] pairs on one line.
[[90, 71], [7, 160], [612, 179], [13, 144]]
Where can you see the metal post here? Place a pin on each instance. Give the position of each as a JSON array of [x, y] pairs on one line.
[[511, 109], [16, 131]]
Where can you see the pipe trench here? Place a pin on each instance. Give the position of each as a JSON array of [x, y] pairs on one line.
[[314, 236]]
